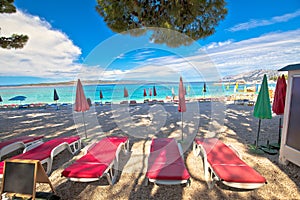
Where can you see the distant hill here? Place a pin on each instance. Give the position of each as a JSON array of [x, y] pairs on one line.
[[253, 76]]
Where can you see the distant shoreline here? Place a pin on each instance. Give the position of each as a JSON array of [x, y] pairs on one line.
[[92, 82]]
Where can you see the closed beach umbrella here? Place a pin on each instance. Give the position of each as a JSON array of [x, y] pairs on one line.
[[173, 93], [101, 95], [55, 96], [145, 93], [154, 91], [236, 87], [204, 89], [125, 92], [81, 104], [279, 102], [150, 92], [181, 104], [262, 108], [279, 96]]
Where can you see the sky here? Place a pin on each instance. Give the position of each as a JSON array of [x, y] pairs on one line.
[[69, 40]]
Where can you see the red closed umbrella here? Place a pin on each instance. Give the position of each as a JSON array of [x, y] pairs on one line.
[[181, 94], [279, 103], [279, 96], [181, 103], [125, 92], [81, 104], [150, 92], [101, 95], [145, 93]]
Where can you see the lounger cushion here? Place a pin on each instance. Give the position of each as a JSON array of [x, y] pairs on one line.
[[226, 164], [96, 161], [165, 161], [43, 151], [24, 139]]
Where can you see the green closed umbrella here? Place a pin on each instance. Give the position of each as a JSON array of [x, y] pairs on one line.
[[262, 109]]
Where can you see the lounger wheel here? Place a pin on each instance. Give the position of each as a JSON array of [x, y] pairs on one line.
[[188, 183], [146, 182], [196, 149]]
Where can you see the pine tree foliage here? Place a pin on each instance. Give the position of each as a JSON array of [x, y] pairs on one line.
[[196, 19], [15, 41]]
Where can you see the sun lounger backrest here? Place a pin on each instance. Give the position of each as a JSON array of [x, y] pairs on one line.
[[219, 153], [165, 149], [101, 159], [165, 162], [227, 165], [11, 145], [23, 139], [44, 150], [103, 151]]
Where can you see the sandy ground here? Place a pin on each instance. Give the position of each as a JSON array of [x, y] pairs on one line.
[[233, 124]]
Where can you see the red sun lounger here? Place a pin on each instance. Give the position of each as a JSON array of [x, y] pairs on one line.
[[166, 164], [221, 163], [11, 145], [45, 152], [100, 159]]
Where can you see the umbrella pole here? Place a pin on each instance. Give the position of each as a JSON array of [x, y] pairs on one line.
[[56, 105], [84, 125], [259, 122], [181, 126], [279, 131]]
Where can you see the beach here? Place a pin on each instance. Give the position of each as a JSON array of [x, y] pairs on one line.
[[232, 123]]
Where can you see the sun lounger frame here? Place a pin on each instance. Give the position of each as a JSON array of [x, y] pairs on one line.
[[111, 171], [168, 182], [211, 177], [73, 148], [15, 146]]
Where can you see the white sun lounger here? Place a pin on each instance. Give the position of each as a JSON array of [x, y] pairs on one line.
[[14, 144], [45, 152]]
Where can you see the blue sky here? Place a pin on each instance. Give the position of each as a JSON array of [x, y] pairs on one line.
[[68, 39]]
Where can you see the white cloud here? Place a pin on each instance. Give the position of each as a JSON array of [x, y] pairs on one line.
[[258, 23], [51, 54], [48, 53], [271, 51], [218, 44]]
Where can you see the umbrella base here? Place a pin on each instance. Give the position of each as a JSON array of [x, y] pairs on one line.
[[275, 146], [268, 150], [254, 150]]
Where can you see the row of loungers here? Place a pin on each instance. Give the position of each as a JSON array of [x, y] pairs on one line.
[[165, 162]]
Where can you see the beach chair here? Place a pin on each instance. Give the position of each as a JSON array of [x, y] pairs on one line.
[[100, 159], [132, 103], [46, 151], [222, 163], [166, 163], [14, 144]]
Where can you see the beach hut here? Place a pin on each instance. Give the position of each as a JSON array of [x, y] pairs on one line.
[[290, 140]]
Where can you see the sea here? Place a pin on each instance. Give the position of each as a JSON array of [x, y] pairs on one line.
[[114, 93]]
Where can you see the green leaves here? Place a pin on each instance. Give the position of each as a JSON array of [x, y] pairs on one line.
[[195, 18], [15, 41], [6, 6]]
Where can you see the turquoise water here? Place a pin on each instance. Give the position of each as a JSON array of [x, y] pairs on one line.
[[112, 92]]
